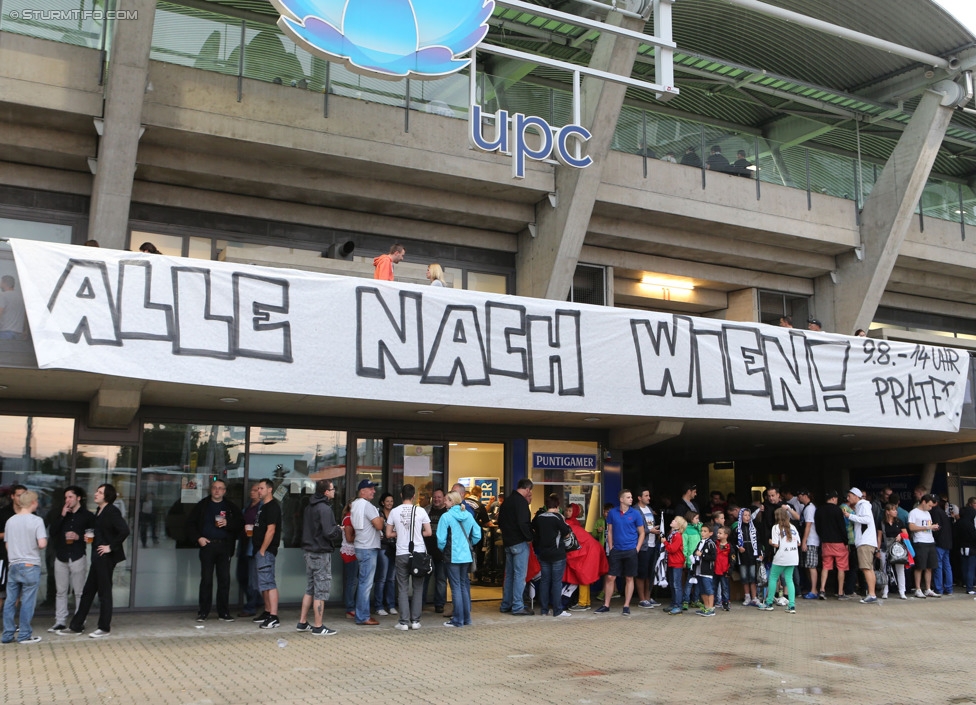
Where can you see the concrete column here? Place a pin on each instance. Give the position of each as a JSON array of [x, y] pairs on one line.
[[885, 220], [125, 90], [545, 263]]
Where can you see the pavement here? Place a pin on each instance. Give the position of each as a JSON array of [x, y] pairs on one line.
[[914, 651]]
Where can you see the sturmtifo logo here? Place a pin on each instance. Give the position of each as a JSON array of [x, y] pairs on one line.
[[392, 38]]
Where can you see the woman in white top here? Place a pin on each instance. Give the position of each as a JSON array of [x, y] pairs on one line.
[[786, 540], [435, 274]]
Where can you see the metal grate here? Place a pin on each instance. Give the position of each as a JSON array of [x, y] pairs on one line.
[[589, 285]]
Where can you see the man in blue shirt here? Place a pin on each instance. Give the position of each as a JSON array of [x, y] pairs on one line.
[[625, 532]]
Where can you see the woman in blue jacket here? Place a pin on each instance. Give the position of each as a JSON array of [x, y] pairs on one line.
[[456, 532]]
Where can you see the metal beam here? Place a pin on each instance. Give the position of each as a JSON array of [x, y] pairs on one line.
[[573, 68], [587, 23], [843, 33]]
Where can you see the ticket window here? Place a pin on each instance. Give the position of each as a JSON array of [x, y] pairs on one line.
[[571, 470]]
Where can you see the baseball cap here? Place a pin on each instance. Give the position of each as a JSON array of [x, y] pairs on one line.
[[804, 491], [856, 492], [363, 484]]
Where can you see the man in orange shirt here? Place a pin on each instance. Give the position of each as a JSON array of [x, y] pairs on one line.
[[383, 265]]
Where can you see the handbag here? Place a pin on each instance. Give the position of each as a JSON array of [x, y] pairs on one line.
[[570, 542], [897, 553], [762, 579], [420, 563]]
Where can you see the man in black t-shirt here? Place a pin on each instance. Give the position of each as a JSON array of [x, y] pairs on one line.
[[266, 539]]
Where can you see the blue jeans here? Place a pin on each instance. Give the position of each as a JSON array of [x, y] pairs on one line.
[[384, 583], [691, 590], [516, 566], [22, 584], [968, 564], [350, 576], [367, 571], [551, 586], [457, 574], [722, 589], [942, 575], [439, 576], [677, 586]]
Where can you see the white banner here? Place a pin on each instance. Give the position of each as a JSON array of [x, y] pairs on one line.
[[229, 325]]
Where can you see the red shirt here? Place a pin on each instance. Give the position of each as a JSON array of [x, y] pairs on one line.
[[722, 558], [675, 547]]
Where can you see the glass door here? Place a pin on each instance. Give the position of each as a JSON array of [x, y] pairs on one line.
[[419, 464], [115, 465], [179, 461]]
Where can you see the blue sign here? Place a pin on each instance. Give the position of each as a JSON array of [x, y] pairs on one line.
[[391, 38], [563, 461], [552, 141], [489, 488]]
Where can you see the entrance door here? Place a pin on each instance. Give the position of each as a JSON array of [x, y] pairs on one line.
[[422, 465], [115, 465]]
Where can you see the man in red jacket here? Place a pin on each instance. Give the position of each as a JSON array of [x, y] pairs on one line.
[[383, 265]]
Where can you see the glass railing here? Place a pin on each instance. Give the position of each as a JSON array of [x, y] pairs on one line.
[[78, 22], [207, 40]]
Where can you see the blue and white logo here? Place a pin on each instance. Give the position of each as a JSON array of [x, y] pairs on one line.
[[392, 38]]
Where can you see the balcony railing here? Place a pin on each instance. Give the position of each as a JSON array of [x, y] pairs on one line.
[[253, 49]]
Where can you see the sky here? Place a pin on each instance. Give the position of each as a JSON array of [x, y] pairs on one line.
[[962, 10]]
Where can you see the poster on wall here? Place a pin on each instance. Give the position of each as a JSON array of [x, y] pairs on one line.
[[228, 325], [191, 489], [489, 488], [416, 465]]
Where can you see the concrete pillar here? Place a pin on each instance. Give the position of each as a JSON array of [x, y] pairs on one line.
[[927, 478], [545, 263], [782, 167], [887, 214], [125, 90]]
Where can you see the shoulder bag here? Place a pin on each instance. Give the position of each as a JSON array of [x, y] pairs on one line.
[[570, 542], [420, 563]]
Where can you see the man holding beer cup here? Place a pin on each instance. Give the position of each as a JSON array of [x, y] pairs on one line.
[[214, 524], [70, 552]]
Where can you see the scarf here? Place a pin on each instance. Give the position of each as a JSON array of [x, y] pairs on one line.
[[752, 534]]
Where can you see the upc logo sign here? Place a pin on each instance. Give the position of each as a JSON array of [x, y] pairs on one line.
[[390, 38]]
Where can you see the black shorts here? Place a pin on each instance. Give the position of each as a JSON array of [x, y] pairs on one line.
[[926, 557], [623, 563], [643, 564]]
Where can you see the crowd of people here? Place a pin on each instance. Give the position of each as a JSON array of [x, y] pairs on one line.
[[781, 549]]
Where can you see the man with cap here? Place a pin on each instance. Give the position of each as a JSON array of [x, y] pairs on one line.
[[814, 325], [810, 542], [865, 537], [367, 523]]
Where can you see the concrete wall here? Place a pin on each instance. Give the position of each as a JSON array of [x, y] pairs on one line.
[[275, 155]]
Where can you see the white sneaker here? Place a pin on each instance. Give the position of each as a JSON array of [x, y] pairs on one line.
[[747, 602], [565, 613], [932, 593], [415, 625], [920, 594], [393, 610], [382, 613], [402, 626], [902, 596], [782, 601], [98, 634]]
